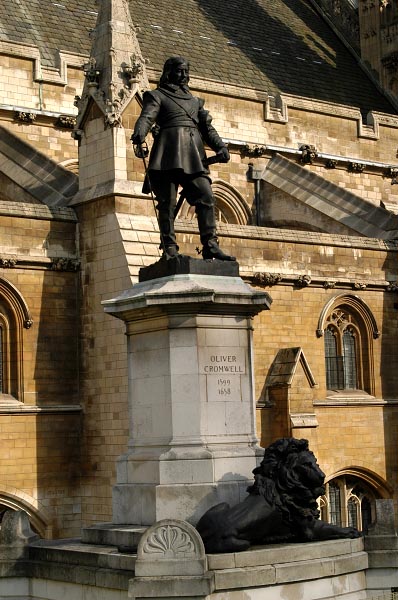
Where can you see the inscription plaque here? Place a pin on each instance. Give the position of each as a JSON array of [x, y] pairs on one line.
[[223, 369]]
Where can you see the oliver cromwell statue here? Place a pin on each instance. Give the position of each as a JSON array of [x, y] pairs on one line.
[[178, 158]]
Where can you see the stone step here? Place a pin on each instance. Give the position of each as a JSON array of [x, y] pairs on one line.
[[73, 552], [124, 537]]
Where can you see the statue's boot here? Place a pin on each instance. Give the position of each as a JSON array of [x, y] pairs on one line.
[[207, 230], [168, 242]]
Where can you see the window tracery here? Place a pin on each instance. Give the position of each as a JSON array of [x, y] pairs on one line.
[[348, 502]]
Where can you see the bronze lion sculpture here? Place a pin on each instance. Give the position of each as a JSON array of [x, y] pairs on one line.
[[281, 505]]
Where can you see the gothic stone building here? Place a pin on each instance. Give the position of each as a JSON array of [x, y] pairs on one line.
[[308, 203]]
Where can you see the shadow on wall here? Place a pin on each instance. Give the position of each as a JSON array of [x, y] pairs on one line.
[[389, 369], [54, 380]]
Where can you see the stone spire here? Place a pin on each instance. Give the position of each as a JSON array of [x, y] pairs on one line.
[[114, 74]]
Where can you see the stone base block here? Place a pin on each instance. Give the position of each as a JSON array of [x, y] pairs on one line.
[[144, 504], [195, 465], [184, 265]]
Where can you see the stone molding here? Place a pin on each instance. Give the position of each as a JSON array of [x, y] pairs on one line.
[[308, 154], [61, 263], [265, 279], [20, 407]]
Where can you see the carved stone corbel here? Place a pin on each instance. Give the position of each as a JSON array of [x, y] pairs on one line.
[[25, 117], [331, 163], [8, 263], [302, 281], [328, 285], [308, 154], [267, 278], [65, 122], [393, 173], [253, 151], [65, 264], [359, 285], [355, 167]]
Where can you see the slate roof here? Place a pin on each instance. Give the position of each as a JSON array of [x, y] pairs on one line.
[[324, 196], [271, 45], [37, 174]]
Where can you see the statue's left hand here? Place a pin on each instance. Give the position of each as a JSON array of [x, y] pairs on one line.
[[223, 155]]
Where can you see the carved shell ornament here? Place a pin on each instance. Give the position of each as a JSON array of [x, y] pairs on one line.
[[169, 540]]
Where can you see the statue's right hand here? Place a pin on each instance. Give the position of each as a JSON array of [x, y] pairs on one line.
[[137, 138]]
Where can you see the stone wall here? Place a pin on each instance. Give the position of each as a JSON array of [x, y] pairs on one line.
[[118, 235], [40, 417]]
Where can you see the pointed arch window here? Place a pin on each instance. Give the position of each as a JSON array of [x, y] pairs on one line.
[[349, 502], [230, 206], [334, 504], [342, 351], [349, 329], [14, 318]]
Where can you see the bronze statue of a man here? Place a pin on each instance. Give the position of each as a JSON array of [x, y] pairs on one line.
[[178, 157]]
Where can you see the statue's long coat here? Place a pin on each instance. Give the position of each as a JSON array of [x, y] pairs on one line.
[[183, 128]]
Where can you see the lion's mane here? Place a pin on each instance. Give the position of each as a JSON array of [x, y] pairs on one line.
[[278, 482]]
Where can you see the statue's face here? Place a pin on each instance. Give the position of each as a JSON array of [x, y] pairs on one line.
[[179, 75]]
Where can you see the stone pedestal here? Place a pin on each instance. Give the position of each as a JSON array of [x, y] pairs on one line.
[[192, 413]]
